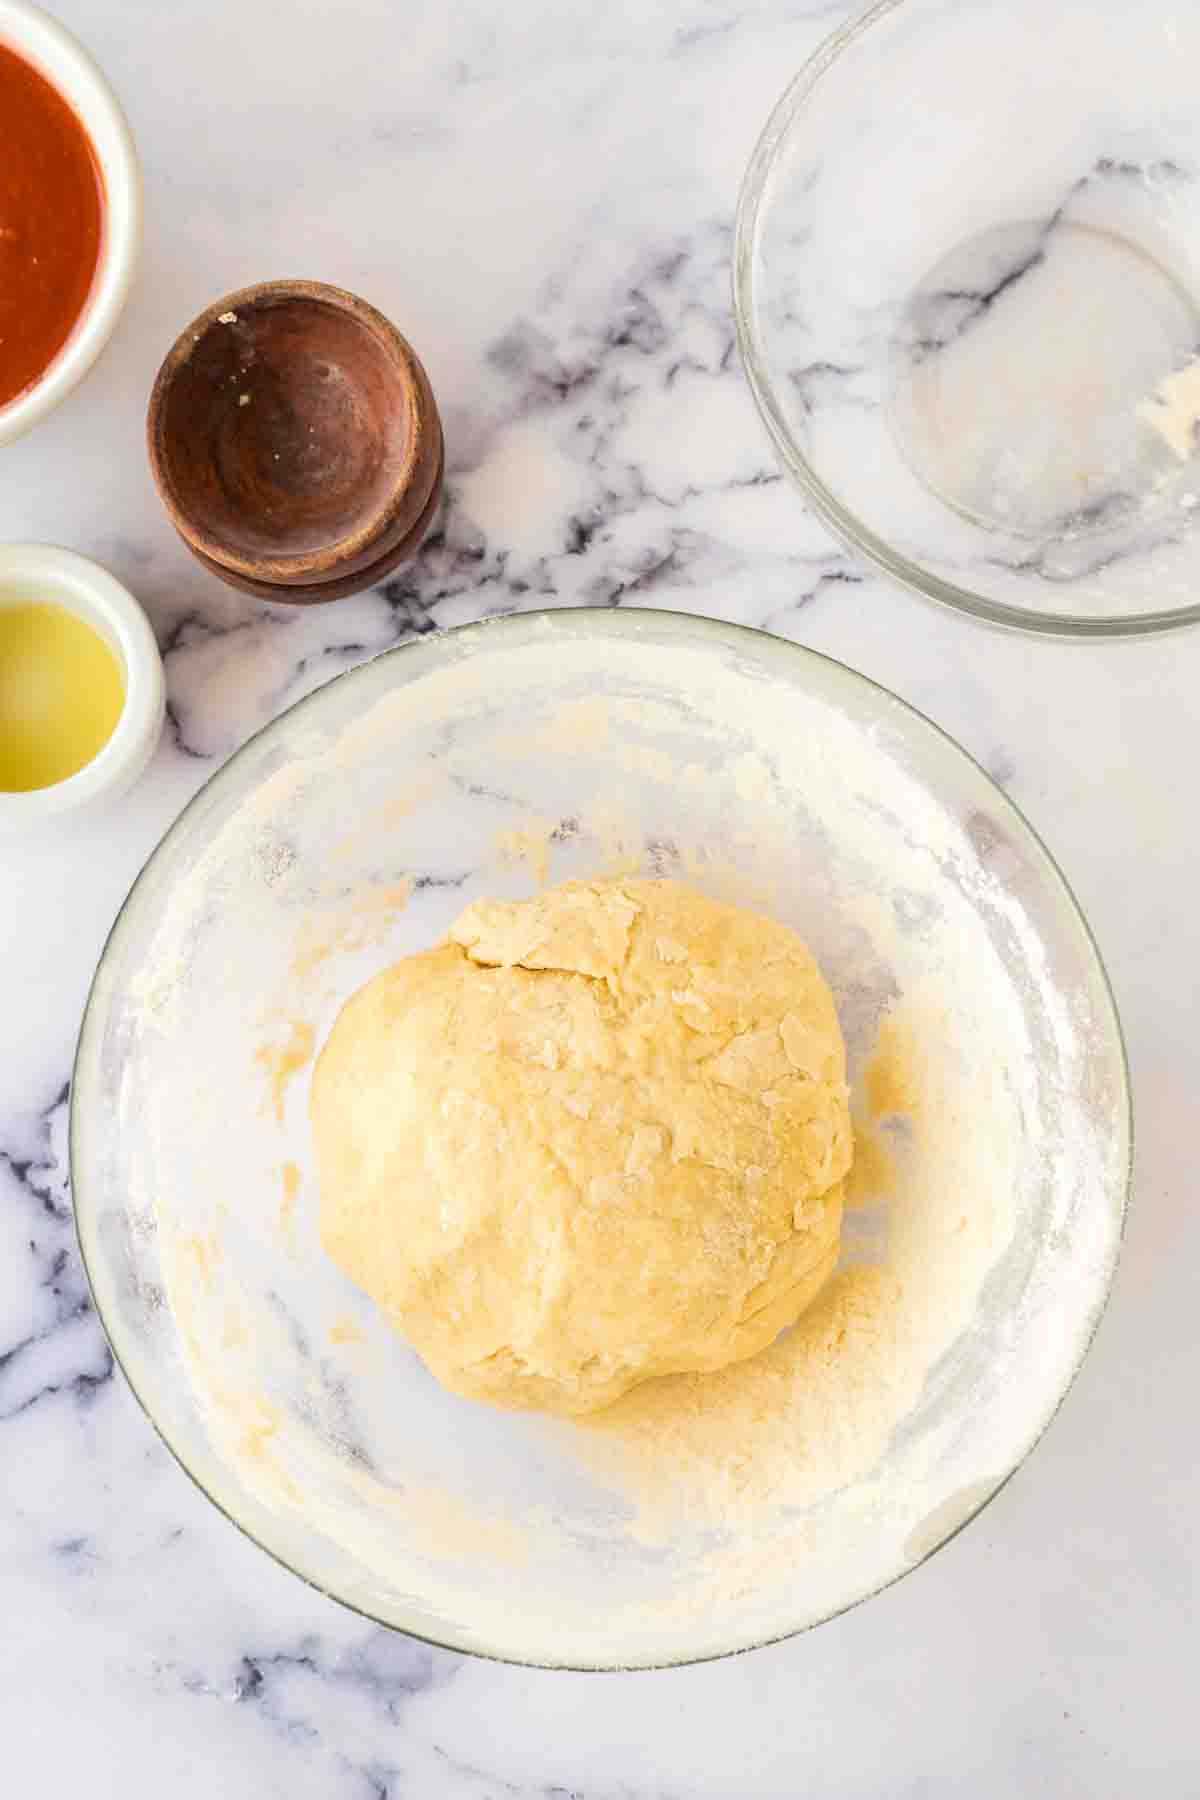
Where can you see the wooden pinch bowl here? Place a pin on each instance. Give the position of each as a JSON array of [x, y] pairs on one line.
[[295, 442]]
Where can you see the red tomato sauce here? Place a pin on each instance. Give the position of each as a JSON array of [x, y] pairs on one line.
[[51, 223]]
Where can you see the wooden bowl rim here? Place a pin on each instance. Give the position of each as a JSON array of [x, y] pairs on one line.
[[337, 586], [301, 567]]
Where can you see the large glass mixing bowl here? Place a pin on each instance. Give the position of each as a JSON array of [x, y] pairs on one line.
[[967, 285], [488, 760]]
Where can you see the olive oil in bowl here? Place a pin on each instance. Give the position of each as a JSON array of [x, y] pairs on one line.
[[62, 691]]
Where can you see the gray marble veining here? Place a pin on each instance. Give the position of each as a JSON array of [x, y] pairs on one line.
[[562, 182]]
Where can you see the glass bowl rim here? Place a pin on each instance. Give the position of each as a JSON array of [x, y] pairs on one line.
[[583, 621], [837, 517]]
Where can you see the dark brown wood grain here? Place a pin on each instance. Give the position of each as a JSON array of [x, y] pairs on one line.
[[295, 442]]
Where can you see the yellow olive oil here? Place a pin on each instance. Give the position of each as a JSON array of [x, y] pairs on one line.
[[61, 694]]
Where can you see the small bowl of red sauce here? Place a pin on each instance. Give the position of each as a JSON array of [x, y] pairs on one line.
[[70, 214]]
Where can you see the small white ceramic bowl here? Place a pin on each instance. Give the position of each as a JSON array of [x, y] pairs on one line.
[[32, 573], [42, 41]]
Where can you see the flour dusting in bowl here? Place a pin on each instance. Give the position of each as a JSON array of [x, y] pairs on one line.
[[702, 1513]]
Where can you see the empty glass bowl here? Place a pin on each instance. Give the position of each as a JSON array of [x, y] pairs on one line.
[[967, 282]]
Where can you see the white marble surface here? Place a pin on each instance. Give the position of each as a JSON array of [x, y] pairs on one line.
[[541, 195]]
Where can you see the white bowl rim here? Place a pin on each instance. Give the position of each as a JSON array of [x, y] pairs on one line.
[[55, 53], [65, 578]]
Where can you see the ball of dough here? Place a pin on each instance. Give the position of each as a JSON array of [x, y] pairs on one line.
[[594, 1137]]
